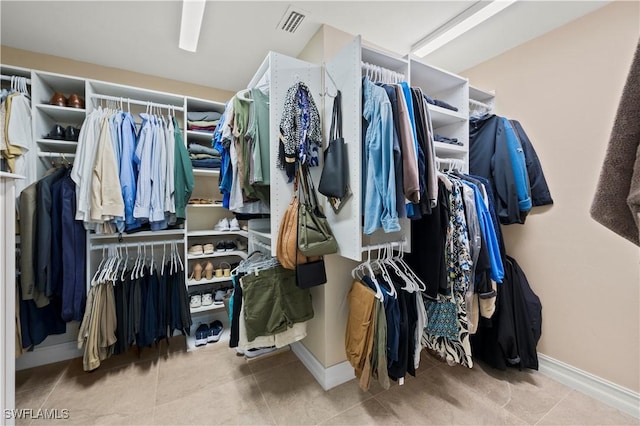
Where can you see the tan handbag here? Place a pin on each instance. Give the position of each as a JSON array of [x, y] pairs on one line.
[[287, 246]]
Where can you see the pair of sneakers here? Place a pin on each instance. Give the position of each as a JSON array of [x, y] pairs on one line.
[[209, 333], [225, 224]]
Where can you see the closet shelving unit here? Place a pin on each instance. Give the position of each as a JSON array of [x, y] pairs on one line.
[[202, 219], [483, 97], [453, 89]]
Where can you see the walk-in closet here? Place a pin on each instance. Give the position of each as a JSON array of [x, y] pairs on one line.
[[219, 212]]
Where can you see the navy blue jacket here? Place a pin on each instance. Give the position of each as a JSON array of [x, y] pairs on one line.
[[489, 157]]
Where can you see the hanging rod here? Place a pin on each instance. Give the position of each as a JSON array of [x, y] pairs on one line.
[[56, 154], [384, 245], [135, 102], [8, 78], [95, 247]]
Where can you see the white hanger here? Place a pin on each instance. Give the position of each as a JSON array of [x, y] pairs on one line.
[[372, 275], [124, 267]]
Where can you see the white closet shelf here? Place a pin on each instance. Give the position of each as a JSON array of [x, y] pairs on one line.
[[448, 149], [164, 232], [199, 104], [443, 117], [211, 233], [212, 307], [433, 80], [481, 95], [66, 146], [219, 206], [262, 234], [206, 172], [387, 60], [199, 136], [136, 93], [62, 114], [203, 281], [236, 253], [64, 84]]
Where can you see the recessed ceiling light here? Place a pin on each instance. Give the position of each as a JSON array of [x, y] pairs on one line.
[[192, 14], [434, 42]]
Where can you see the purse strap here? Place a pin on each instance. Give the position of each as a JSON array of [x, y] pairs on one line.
[[335, 132], [309, 196]]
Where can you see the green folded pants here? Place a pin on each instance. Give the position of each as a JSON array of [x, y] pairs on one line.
[[272, 302]]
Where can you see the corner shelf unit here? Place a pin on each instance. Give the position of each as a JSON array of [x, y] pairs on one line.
[[202, 218]]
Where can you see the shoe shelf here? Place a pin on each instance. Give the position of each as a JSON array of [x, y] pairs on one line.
[[238, 253], [212, 307], [58, 145], [63, 114], [214, 280], [205, 205], [206, 172], [211, 233]]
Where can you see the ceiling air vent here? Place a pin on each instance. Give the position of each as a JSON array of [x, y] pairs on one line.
[[291, 20]]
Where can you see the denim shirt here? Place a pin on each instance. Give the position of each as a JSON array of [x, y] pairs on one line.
[[128, 175], [489, 234], [142, 158], [380, 186]]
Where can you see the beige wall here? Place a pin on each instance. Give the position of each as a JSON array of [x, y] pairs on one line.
[[57, 64], [564, 88]]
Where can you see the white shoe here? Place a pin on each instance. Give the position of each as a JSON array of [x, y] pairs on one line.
[[253, 353], [196, 301], [222, 225], [234, 225]]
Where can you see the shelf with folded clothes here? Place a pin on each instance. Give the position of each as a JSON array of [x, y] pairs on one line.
[[443, 117], [236, 253]]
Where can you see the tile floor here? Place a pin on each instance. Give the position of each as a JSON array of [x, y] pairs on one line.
[[214, 386]]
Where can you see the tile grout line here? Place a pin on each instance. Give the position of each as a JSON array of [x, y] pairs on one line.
[[554, 406], [155, 394], [264, 398], [55, 385]]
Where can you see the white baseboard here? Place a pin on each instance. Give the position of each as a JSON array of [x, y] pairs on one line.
[[48, 355], [327, 377], [603, 390]]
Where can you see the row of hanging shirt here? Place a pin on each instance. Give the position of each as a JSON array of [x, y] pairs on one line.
[[460, 263], [399, 168], [139, 304], [15, 128], [242, 138], [267, 309], [386, 320], [127, 178]]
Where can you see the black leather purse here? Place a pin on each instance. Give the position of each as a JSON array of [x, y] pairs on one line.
[[334, 180]]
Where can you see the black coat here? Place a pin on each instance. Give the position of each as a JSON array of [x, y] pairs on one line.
[[510, 337], [489, 157]]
